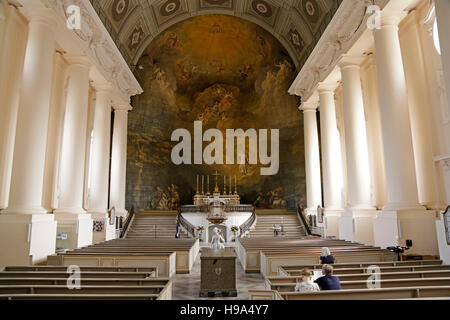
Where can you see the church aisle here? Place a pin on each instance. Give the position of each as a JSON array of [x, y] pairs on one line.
[[187, 286]]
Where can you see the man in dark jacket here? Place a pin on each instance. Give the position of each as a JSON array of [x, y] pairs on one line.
[[328, 281]]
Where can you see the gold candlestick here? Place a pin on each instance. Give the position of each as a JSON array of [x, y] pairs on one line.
[[203, 183], [224, 185], [207, 191], [235, 185], [231, 186], [197, 186]]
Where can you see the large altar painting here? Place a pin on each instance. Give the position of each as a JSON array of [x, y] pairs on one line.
[[229, 74]]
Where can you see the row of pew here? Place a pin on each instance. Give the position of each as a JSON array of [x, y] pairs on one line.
[[169, 256], [423, 279], [93, 283], [266, 255]]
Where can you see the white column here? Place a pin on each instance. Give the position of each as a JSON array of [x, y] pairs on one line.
[[70, 213], [331, 149], [12, 52], [99, 170], [25, 223], [398, 147], [358, 171], [312, 158], [119, 159], [54, 135], [443, 14]]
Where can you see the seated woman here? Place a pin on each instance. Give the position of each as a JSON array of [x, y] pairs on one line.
[[326, 257], [306, 284]]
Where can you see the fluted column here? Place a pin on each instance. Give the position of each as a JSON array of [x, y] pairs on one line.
[[32, 120], [74, 137], [395, 119], [358, 171], [12, 52], [70, 213], [312, 157], [443, 21], [99, 171], [119, 159], [331, 149], [25, 222]]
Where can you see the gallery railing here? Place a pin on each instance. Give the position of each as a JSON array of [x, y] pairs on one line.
[[190, 229], [193, 209], [127, 222], [303, 219], [446, 215], [249, 223], [239, 208]]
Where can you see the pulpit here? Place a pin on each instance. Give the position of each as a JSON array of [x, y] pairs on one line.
[[218, 272]]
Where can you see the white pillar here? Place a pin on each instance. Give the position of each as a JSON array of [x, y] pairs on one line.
[[12, 52], [331, 149], [25, 223], [312, 158], [54, 135], [398, 147], [70, 213], [358, 171], [119, 159], [402, 218], [442, 15], [356, 223], [99, 170]]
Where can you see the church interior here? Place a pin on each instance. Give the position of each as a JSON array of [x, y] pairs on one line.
[[224, 149]]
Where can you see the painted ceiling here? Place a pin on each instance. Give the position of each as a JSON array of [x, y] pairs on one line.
[[297, 24]]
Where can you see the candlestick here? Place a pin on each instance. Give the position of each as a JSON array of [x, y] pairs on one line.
[[235, 185], [203, 183], [231, 186], [224, 185], [197, 186], [207, 191]]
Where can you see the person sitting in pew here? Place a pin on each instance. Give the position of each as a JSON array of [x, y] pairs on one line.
[[326, 257], [306, 284], [328, 281]]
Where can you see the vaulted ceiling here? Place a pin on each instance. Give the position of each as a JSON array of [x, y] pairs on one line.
[[297, 24]]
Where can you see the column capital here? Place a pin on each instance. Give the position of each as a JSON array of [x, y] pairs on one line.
[[350, 61], [105, 87], [327, 87], [80, 60], [122, 107], [309, 106], [391, 18], [42, 15]]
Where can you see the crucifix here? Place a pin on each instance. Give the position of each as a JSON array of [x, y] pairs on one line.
[[216, 188]]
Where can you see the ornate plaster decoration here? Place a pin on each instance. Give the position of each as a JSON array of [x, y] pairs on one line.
[[346, 26], [99, 45]]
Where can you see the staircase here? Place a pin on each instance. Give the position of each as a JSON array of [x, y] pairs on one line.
[[144, 223], [265, 219]]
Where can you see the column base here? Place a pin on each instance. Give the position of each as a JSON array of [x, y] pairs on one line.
[[74, 230], [26, 239], [363, 226], [444, 252], [102, 230], [346, 228], [394, 227], [331, 222]]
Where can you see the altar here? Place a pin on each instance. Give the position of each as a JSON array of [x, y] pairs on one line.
[[221, 209]]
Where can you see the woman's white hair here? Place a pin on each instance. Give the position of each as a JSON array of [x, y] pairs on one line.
[[325, 252]]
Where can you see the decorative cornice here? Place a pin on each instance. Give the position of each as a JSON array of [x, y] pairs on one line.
[[343, 31], [99, 46]]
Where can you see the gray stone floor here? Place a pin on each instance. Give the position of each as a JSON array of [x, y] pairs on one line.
[[187, 286]]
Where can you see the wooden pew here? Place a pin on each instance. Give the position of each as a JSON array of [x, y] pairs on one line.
[[85, 275], [362, 284], [285, 270], [371, 294], [363, 270], [85, 281], [83, 297], [150, 270]]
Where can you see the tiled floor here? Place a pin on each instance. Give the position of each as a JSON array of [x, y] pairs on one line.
[[187, 286]]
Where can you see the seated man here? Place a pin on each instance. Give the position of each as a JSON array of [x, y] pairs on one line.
[[328, 281]]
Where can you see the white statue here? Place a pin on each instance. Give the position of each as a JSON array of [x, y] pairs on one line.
[[217, 241]]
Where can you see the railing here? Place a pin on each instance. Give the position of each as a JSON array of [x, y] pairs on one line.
[[303, 219], [193, 209], [239, 208], [248, 224], [190, 229], [127, 222], [446, 224]]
